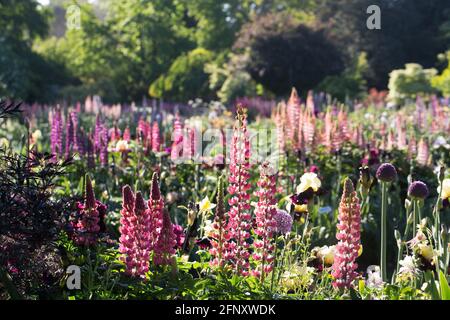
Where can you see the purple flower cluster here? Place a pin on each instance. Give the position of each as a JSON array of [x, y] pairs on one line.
[[284, 221]]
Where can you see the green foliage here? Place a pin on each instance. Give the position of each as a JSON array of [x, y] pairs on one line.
[[411, 31], [186, 78], [442, 81], [118, 56], [231, 80], [283, 53], [350, 83], [409, 82], [23, 73], [439, 288]]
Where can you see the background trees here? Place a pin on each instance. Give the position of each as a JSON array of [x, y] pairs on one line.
[[175, 49], [23, 73], [284, 53], [411, 31]]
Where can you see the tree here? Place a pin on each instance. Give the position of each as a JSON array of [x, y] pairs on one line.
[[284, 54], [186, 79], [350, 83], [23, 73], [411, 31], [118, 56]]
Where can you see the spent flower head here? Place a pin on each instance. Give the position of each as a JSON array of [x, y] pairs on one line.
[[418, 190], [386, 173]]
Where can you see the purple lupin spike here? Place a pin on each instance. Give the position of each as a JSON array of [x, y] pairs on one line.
[[104, 147], [56, 135], [69, 137]]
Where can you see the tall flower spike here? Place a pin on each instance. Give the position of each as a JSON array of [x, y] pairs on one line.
[[177, 138], [87, 227], [239, 217], [155, 137], [155, 211], [166, 243], [143, 235], [423, 153], [344, 266], [104, 146], [90, 151], [126, 229], [265, 222], [77, 138], [69, 137], [134, 234], [218, 233], [293, 113], [127, 134], [89, 193], [56, 135]]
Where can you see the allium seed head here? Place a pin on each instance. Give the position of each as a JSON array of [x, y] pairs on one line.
[[386, 172], [418, 190]]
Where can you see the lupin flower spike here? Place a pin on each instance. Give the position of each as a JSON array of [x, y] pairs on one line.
[[344, 266], [239, 217], [265, 222], [134, 235]]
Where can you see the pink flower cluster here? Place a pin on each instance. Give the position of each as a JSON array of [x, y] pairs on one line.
[[166, 242], [135, 235], [101, 136], [145, 228], [265, 222], [66, 139], [303, 127], [239, 218], [344, 266], [177, 138], [89, 220], [156, 141]]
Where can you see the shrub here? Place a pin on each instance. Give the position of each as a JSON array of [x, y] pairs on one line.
[[442, 81], [409, 82]]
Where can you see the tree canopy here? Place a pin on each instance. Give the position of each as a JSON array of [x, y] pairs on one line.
[[175, 49]]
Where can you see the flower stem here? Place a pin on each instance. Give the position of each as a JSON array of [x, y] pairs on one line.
[[400, 249], [383, 230], [275, 265], [415, 216]]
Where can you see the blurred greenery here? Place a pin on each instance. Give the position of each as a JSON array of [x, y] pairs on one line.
[[442, 81], [410, 81], [212, 49]]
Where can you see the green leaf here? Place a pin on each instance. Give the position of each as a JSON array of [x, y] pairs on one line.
[[354, 294], [432, 289], [445, 288]]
